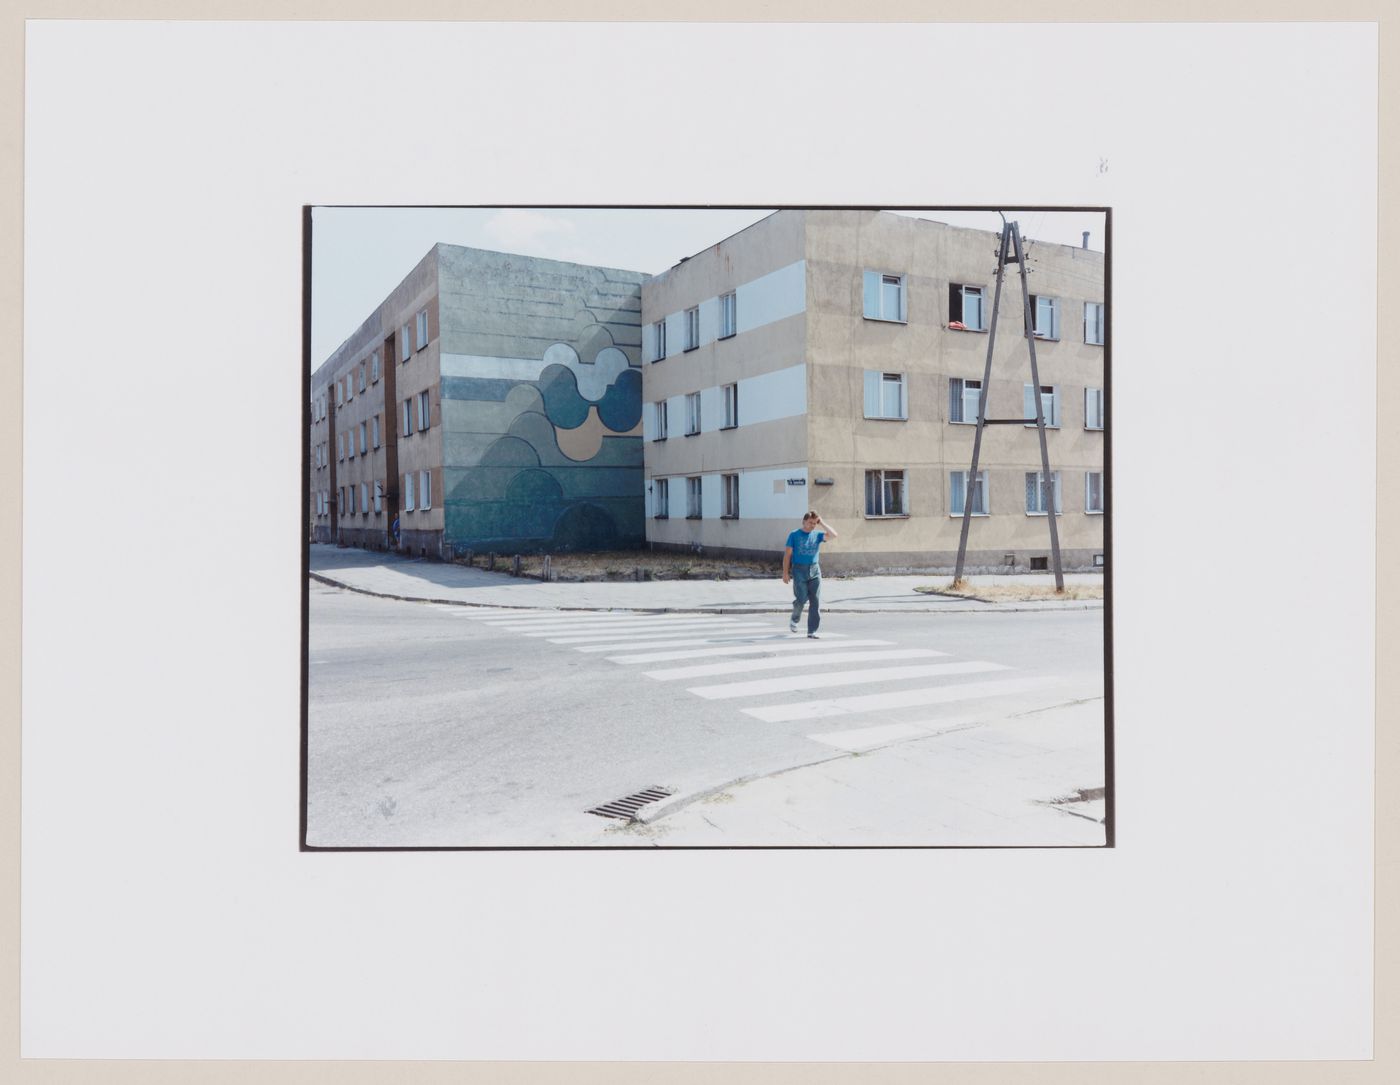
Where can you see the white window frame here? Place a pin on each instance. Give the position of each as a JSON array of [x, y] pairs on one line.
[[350, 444], [728, 315], [340, 393], [1049, 405], [873, 301], [1047, 314], [1039, 509], [1093, 323], [966, 290], [958, 405], [1093, 408], [374, 430], [339, 447], [876, 389], [425, 490], [661, 502], [660, 417], [364, 499], [405, 343], [982, 490], [694, 497], [350, 497], [729, 497], [658, 341], [406, 429], [692, 328], [422, 330], [364, 437], [730, 394], [340, 501], [692, 414], [349, 386], [374, 368], [363, 367], [408, 492], [1089, 506], [884, 477], [424, 411], [378, 496]]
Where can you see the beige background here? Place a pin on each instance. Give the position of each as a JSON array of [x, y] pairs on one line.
[[1387, 1007]]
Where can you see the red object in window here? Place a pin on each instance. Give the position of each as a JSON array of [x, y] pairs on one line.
[[957, 326]]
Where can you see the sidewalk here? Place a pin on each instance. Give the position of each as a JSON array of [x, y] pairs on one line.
[[416, 578]]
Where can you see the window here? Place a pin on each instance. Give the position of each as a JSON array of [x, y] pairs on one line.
[[425, 490], [692, 328], [1046, 314], [1093, 323], [423, 409], [729, 504], [340, 501], [1049, 405], [658, 340], [378, 496], [405, 346], [1093, 408], [364, 499], [885, 494], [692, 414], [374, 430], [406, 422], [731, 406], [957, 493], [422, 328], [340, 446], [884, 296], [1093, 491], [660, 409], [350, 499], [374, 368], [408, 492], [884, 395], [963, 398], [363, 374], [339, 393], [1035, 493], [965, 307], [662, 502], [364, 438], [692, 498], [728, 316], [350, 445], [349, 387]]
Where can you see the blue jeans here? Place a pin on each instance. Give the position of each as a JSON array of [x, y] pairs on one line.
[[807, 588]]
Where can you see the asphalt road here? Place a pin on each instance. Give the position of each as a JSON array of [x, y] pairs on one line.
[[438, 725]]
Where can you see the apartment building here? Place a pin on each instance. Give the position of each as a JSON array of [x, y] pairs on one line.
[[834, 360], [491, 402]]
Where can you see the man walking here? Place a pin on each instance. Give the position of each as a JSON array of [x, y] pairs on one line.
[[801, 565]]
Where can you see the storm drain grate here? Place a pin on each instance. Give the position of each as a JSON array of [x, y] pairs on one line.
[[627, 806]]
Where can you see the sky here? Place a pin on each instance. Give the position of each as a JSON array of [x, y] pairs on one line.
[[359, 254]]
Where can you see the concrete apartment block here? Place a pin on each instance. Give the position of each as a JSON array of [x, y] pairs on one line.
[[507, 401], [855, 388]]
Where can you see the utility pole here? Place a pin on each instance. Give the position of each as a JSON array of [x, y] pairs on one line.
[[1011, 251]]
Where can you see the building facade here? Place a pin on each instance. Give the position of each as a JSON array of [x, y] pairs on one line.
[[491, 402], [834, 360]]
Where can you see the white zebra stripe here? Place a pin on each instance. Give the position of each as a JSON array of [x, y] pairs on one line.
[[643, 635], [866, 738], [811, 659], [777, 643], [748, 637], [620, 623], [841, 678], [965, 691]]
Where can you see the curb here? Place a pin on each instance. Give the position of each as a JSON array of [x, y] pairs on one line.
[[983, 607]]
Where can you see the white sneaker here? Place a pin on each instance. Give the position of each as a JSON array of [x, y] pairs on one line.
[[813, 636], [792, 627]]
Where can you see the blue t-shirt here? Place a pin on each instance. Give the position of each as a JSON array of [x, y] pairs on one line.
[[804, 546]]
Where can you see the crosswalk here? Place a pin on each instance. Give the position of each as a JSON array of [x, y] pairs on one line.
[[742, 661]]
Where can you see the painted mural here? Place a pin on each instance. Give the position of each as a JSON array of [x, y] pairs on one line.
[[547, 463]]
